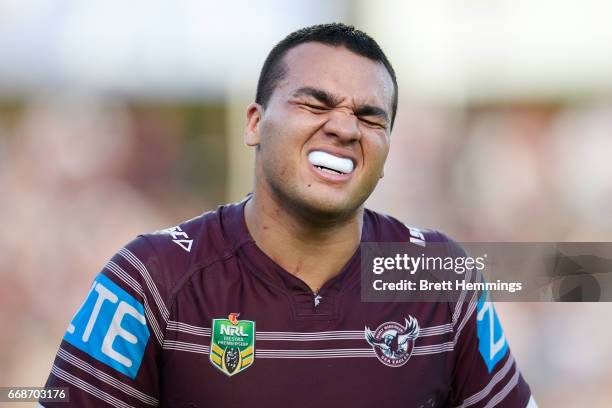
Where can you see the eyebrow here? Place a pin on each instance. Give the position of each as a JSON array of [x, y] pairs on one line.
[[331, 100], [369, 110], [320, 95]]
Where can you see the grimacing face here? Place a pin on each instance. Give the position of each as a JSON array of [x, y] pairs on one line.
[[323, 138]]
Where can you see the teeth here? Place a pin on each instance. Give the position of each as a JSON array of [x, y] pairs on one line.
[[326, 170], [329, 161]]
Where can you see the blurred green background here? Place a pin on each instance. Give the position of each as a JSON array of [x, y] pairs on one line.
[[118, 118]]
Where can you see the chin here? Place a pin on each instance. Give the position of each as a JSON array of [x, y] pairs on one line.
[[318, 204], [325, 208]]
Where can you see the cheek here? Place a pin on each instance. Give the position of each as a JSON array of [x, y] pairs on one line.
[[278, 150], [284, 137], [376, 149], [282, 129]]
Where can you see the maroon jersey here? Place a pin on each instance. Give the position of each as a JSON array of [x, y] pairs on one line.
[[198, 316]]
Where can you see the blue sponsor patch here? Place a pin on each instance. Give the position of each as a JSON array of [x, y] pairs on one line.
[[492, 343], [111, 327]]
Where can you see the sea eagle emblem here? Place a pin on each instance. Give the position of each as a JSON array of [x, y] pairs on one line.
[[392, 342]]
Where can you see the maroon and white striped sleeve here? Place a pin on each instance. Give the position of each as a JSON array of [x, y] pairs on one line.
[[485, 373], [109, 353]]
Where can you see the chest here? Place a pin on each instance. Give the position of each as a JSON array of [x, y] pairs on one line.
[[241, 340]]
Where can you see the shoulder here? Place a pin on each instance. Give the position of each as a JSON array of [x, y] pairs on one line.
[[169, 255], [385, 228], [434, 248]]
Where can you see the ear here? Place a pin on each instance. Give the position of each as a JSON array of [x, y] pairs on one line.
[[251, 130]]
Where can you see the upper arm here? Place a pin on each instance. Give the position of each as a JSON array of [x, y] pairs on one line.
[[485, 372], [109, 353]]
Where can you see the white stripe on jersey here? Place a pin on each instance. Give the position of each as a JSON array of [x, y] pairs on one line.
[[102, 376], [312, 336], [304, 336], [466, 317], [125, 277], [505, 391], [330, 353], [503, 372], [187, 328], [96, 392], [433, 349], [459, 304], [182, 346], [311, 353], [436, 330], [151, 319], [131, 282], [132, 259], [338, 353]]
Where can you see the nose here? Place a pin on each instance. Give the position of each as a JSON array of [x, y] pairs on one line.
[[344, 125]]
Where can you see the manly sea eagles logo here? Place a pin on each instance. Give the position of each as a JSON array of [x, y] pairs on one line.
[[392, 342]]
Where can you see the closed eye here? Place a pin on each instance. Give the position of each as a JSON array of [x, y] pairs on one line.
[[372, 123], [315, 108]]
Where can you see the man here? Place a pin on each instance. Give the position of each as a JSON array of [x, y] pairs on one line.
[[258, 303]]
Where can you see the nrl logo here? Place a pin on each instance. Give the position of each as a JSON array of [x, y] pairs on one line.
[[232, 345], [392, 342]]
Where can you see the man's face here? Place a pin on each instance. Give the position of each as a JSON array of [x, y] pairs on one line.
[[324, 136]]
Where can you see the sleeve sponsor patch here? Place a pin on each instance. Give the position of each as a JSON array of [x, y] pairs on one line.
[[111, 327], [492, 343]]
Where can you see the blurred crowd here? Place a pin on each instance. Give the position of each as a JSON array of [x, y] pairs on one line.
[[79, 179], [81, 176], [515, 172]]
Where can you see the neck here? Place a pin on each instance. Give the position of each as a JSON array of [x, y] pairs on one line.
[[313, 252]]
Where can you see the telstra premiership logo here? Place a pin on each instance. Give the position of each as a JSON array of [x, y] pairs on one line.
[[232, 345]]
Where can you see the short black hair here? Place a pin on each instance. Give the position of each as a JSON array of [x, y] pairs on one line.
[[335, 34]]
